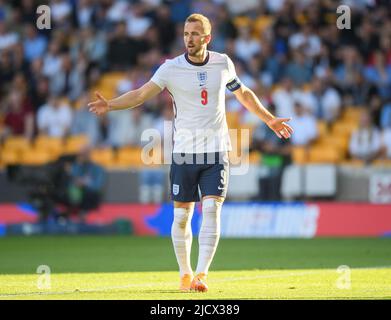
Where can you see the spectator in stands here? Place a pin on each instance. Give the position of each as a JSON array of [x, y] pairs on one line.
[[304, 126], [125, 127], [322, 101], [61, 11], [70, 79], [375, 104], [346, 75], [284, 98], [34, 44], [52, 59], [19, 117], [247, 79], [245, 46], [94, 45], [368, 39], [386, 143], [385, 115], [86, 185], [365, 142], [165, 26], [6, 70], [128, 82], [362, 91], [137, 23], [299, 70], [85, 14], [271, 65], [19, 63], [86, 124], [54, 118], [379, 74], [28, 11], [275, 156], [224, 29], [152, 177], [123, 50], [306, 40], [39, 92], [8, 39]]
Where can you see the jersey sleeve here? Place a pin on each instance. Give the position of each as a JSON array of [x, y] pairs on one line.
[[161, 76], [233, 80]]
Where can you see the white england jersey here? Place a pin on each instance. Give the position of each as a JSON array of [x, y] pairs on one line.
[[198, 93]]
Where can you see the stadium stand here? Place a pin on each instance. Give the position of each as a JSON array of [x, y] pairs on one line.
[[265, 43]]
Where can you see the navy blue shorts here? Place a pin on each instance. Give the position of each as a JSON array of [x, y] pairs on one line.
[[192, 174]]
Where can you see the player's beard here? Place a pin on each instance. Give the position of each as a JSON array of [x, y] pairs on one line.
[[194, 52]]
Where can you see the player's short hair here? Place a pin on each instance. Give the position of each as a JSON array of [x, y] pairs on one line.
[[200, 18]]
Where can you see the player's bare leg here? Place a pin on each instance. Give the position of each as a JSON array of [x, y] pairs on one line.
[[208, 240], [182, 237]]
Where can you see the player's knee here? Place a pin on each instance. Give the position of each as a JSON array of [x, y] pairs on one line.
[[211, 206], [182, 216]]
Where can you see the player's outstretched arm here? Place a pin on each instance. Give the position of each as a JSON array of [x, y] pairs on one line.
[[248, 98], [128, 100]]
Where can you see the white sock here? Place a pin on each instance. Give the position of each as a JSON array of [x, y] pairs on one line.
[[182, 238], [209, 235]]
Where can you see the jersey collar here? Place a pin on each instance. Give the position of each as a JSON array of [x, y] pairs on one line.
[[198, 64]]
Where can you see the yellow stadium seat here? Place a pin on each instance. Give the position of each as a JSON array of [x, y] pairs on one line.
[[9, 156], [324, 154], [112, 77], [17, 143], [261, 24], [344, 128], [53, 145], [340, 142], [74, 144], [108, 83], [104, 157], [129, 157], [255, 157], [299, 154], [35, 157], [242, 21], [323, 129], [352, 113], [385, 163]]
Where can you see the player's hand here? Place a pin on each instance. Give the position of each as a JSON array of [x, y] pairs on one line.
[[280, 127], [100, 106]]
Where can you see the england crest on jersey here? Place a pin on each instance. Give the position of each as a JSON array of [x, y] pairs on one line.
[[202, 77]]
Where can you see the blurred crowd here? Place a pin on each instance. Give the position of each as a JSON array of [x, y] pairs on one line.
[[291, 54]]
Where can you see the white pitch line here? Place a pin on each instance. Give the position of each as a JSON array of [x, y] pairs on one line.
[[155, 284]]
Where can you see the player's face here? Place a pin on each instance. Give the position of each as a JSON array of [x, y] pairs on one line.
[[195, 38]]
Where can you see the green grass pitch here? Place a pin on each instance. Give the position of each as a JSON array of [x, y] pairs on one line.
[[126, 267]]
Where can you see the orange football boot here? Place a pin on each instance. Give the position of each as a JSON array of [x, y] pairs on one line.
[[199, 283]]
